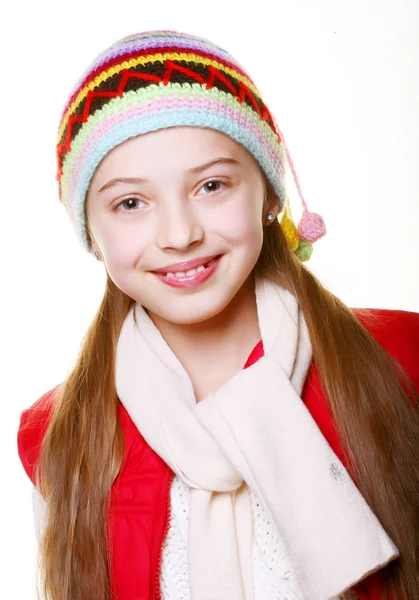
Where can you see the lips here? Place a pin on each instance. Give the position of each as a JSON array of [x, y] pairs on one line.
[[190, 277], [186, 267]]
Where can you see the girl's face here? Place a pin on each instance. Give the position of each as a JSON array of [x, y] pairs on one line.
[[172, 196]]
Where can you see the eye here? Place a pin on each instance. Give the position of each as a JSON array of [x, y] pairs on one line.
[[129, 204], [213, 185]]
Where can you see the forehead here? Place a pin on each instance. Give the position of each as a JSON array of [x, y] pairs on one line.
[[174, 148]]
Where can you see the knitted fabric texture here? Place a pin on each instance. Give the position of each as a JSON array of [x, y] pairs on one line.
[[273, 578], [160, 79]]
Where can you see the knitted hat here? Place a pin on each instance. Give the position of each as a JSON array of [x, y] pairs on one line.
[[159, 79]]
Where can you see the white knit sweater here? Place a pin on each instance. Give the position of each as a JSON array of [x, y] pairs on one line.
[[272, 575]]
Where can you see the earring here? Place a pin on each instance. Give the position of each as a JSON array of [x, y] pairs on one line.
[[270, 218], [96, 255]]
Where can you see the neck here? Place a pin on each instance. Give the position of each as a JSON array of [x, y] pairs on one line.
[[220, 344]]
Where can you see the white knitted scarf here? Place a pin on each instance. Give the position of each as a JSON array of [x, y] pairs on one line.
[[255, 430]]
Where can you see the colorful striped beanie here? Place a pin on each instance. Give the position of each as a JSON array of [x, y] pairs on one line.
[[159, 79]]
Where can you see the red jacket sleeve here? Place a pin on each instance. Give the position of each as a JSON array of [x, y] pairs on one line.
[[33, 425], [397, 331]]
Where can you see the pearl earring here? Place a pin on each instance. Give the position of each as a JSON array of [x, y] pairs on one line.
[[270, 218]]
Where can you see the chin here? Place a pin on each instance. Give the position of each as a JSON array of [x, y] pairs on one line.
[[192, 310], [188, 315]]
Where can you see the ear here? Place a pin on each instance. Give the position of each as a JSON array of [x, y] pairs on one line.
[[274, 209], [94, 248], [95, 251], [270, 208]]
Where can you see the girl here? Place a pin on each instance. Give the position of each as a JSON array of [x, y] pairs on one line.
[[231, 430]]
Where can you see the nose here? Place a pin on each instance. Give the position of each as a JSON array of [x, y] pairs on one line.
[[178, 226]]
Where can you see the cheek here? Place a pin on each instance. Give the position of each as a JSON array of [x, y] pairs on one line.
[[122, 245], [240, 223]]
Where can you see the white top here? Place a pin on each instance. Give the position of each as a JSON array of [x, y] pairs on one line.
[[272, 574]]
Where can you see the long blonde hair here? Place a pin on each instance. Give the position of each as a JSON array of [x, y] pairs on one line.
[[365, 388]]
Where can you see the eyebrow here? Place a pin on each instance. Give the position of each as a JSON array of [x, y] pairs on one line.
[[193, 171]]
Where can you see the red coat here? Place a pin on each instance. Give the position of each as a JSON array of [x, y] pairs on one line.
[[140, 497]]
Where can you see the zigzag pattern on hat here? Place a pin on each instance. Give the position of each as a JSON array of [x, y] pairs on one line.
[[138, 76]]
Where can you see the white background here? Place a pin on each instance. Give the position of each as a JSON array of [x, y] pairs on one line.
[[341, 78]]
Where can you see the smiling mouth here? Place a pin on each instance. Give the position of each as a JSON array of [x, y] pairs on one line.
[[190, 278], [191, 272]]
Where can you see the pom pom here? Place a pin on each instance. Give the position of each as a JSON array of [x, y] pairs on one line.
[[290, 230], [304, 251], [311, 227]]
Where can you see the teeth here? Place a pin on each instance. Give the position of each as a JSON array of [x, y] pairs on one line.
[[191, 271]]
